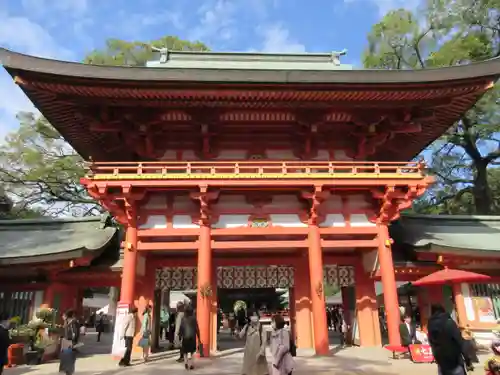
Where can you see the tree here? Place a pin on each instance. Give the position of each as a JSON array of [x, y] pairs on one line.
[[39, 170], [120, 52], [450, 32]]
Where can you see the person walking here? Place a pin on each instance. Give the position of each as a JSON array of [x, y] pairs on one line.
[[4, 341], [67, 357], [447, 343], [190, 337], [164, 319], [254, 354], [283, 363], [128, 332], [178, 320], [99, 325], [145, 334]]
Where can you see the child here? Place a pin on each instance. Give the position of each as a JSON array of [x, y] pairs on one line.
[[492, 365]]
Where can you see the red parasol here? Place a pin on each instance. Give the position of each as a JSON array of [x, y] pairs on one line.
[[447, 275]]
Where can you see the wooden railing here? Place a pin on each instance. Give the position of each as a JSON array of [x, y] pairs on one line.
[[231, 170]]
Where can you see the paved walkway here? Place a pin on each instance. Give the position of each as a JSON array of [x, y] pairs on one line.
[[350, 361]]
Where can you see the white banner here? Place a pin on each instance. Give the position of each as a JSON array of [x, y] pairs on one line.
[[118, 348]]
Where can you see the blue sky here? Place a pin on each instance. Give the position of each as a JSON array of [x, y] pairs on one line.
[[68, 29]]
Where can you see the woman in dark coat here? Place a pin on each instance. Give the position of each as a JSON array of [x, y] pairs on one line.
[[189, 333]]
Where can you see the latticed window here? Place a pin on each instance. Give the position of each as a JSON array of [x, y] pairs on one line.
[[488, 290]]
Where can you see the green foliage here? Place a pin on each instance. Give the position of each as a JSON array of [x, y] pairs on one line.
[[41, 172], [120, 52], [447, 33], [331, 290]]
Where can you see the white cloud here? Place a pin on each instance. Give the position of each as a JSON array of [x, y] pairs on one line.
[[384, 6], [217, 20], [23, 35], [276, 38]]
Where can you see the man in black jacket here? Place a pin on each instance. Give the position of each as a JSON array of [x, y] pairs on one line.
[[408, 331], [447, 343]]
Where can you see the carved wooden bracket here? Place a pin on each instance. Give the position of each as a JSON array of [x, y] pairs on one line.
[[206, 291], [316, 197], [319, 290], [205, 197], [393, 200]]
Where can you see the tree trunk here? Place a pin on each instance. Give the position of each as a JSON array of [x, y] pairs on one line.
[[481, 189]]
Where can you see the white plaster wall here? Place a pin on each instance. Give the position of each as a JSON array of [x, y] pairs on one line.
[[232, 221], [323, 155], [169, 155], [184, 203], [361, 220], [189, 155], [154, 222], [183, 222], [232, 155], [280, 155], [333, 220], [469, 306], [357, 201], [287, 220], [156, 201], [289, 201], [227, 201], [333, 203], [340, 155]]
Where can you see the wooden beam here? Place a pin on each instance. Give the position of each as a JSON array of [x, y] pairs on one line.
[[348, 244], [246, 231], [253, 245]]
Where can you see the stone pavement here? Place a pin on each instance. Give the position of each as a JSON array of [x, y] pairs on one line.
[[350, 361]]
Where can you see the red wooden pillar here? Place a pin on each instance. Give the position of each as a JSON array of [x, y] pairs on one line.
[[127, 293], [460, 305], [49, 295], [389, 283], [320, 329], [366, 307], [302, 304], [214, 313], [204, 297]]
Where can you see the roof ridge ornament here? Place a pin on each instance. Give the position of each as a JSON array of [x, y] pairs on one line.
[[164, 52], [335, 56]]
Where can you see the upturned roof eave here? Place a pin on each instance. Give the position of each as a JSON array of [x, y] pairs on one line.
[[16, 63]]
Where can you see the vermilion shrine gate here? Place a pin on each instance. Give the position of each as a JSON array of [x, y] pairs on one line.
[[247, 169]]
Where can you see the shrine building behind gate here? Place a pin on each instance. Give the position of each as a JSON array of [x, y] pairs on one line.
[[242, 170]]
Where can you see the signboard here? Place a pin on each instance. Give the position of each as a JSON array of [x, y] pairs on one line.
[[118, 348], [485, 311], [421, 353]]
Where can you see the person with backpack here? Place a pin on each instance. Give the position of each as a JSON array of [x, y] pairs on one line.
[[67, 357], [282, 348], [254, 355], [190, 336]]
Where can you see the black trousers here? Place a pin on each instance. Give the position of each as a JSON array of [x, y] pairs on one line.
[[128, 351]]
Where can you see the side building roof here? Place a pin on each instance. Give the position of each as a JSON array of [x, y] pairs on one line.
[[48, 240], [454, 234]]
